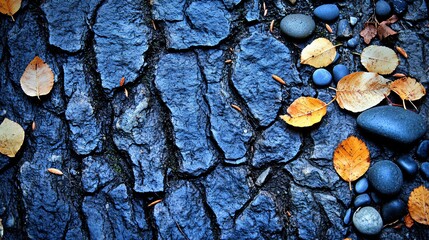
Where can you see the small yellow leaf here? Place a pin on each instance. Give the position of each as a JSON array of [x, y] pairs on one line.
[[320, 53], [55, 171], [11, 137], [9, 7], [37, 79], [408, 88], [359, 91], [351, 159], [305, 112], [418, 205], [379, 59]]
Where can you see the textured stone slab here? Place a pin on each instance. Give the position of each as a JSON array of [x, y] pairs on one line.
[[121, 40], [96, 173], [179, 80], [169, 10]]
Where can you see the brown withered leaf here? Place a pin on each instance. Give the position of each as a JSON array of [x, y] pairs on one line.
[[359, 91], [305, 112], [319, 53], [408, 88], [418, 205], [11, 137], [351, 159], [409, 222], [55, 171], [10, 7], [37, 79], [368, 32], [379, 59]]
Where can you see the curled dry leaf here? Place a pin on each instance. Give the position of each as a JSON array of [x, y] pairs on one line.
[[122, 81], [379, 59], [401, 51], [9, 7], [55, 171], [11, 137], [278, 79], [418, 205], [369, 32], [37, 79], [359, 91], [154, 202], [384, 31], [408, 88], [236, 107], [351, 159], [320, 53], [409, 222], [305, 112]]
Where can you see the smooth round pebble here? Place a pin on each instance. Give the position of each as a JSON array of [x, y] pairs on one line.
[[353, 42], [337, 56], [327, 12], [353, 20], [362, 200], [424, 168], [368, 221], [361, 185], [408, 166], [399, 6], [382, 10], [348, 216], [393, 210], [322, 77], [297, 26], [344, 30], [423, 149], [385, 177], [339, 71], [375, 198]]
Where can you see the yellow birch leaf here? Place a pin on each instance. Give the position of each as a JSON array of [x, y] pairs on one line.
[[351, 159], [305, 112], [408, 88], [418, 205], [359, 91], [379, 59], [37, 79], [9, 7], [11, 137], [320, 53]]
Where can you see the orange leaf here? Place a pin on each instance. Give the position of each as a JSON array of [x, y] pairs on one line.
[[359, 91], [305, 112], [37, 79], [55, 171], [9, 7], [320, 53], [278, 79], [351, 159], [408, 88], [418, 205], [409, 222], [402, 51], [122, 81], [369, 32]]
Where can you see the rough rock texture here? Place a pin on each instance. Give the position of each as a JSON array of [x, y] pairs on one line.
[[192, 145]]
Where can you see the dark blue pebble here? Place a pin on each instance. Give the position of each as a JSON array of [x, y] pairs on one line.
[[348, 217], [425, 170], [327, 12], [337, 56], [393, 123], [361, 185], [362, 200], [344, 30], [339, 71], [375, 198], [322, 77], [385, 177], [399, 6], [382, 10], [393, 210], [408, 166], [353, 42], [423, 149]]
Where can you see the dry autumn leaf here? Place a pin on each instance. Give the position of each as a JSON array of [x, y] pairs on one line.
[[369, 32], [305, 112], [408, 88], [351, 159], [359, 91], [37, 79], [11, 137], [379, 59], [418, 205], [384, 31], [320, 53], [10, 7], [409, 222], [55, 171]]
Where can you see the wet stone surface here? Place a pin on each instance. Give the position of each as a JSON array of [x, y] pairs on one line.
[[192, 145]]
